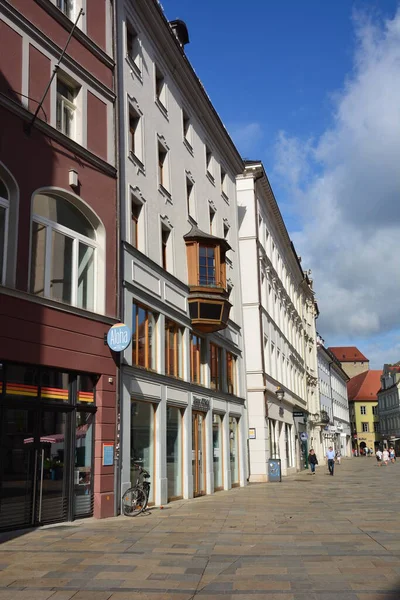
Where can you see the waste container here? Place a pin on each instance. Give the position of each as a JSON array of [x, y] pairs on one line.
[[274, 469]]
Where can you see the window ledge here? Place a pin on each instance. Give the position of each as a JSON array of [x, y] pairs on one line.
[[188, 146], [137, 162], [210, 178], [225, 197], [134, 68], [163, 109], [165, 193]]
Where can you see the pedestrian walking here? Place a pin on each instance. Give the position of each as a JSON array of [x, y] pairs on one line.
[[392, 454], [312, 461], [355, 453], [330, 456], [378, 455], [385, 457], [371, 451], [366, 451], [338, 457]]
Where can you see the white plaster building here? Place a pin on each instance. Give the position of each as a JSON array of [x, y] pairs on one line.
[[279, 312], [334, 405], [183, 383]]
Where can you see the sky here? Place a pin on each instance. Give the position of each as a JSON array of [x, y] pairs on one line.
[[312, 88]]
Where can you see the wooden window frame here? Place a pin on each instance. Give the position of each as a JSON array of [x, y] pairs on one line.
[[215, 361], [135, 344], [176, 368], [231, 373], [196, 352]]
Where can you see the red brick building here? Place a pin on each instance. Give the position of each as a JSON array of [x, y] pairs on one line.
[[58, 261]]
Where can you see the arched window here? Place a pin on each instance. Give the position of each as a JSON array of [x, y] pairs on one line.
[[4, 207], [63, 252]]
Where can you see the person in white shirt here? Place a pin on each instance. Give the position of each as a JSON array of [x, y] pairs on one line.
[[330, 455], [378, 455], [385, 457]]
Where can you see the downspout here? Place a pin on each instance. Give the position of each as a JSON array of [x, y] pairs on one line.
[[118, 447]]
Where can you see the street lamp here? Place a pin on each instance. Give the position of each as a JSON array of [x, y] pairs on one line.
[[280, 393]]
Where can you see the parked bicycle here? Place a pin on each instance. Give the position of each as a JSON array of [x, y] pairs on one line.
[[135, 499]]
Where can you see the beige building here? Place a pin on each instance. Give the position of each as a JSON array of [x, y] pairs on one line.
[[352, 360]]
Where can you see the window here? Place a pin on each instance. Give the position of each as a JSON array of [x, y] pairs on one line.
[[209, 164], [363, 410], [143, 337], [66, 7], [66, 106], [135, 214], [226, 231], [215, 367], [211, 218], [163, 174], [161, 89], [365, 427], [207, 265], [173, 349], [4, 204], [190, 196], [133, 47], [187, 130], [165, 233], [375, 410], [376, 427], [230, 373], [63, 252], [135, 133], [196, 358], [224, 181]]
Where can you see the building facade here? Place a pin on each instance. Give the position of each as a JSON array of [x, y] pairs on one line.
[[352, 360], [182, 382], [279, 327], [362, 392], [389, 406], [57, 261], [334, 404]]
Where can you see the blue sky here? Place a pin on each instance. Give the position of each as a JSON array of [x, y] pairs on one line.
[[312, 88]]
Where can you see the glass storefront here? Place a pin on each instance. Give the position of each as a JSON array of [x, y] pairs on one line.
[[46, 445], [174, 452], [142, 440], [234, 449], [198, 454], [218, 452], [288, 445]]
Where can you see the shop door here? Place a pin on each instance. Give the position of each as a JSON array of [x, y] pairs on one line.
[[33, 477], [198, 454]]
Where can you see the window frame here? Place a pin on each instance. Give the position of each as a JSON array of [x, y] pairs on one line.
[[196, 355], [136, 306], [215, 361], [5, 204], [230, 372], [187, 131], [71, 105], [135, 134], [134, 58], [177, 331], [160, 90], [363, 410], [209, 163], [190, 195], [365, 427], [48, 261]]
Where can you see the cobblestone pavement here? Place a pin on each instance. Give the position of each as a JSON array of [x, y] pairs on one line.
[[307, 538]]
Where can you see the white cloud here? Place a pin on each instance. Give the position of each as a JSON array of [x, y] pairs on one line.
[[346, 188], [246, 136]]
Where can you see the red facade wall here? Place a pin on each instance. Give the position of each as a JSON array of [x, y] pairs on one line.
[[96, 21], [52, 29], [39, 77], [96, 125], [10, 61], [35, 162]]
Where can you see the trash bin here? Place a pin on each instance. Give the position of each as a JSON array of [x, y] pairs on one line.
[[274, 469]]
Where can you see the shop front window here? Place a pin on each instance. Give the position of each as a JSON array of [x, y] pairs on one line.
[[143, 337], [83, 474], [142, 440], [234, 449], [288, 445], [174, 452], [217, 452]]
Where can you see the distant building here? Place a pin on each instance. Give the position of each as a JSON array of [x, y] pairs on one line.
[[362, 391], [389, 406], [332, 382], [352, 360]]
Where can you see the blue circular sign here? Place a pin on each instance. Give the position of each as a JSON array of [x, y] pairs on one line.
[[119, 337]]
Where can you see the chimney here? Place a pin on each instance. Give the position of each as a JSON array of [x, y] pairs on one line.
[[181, 31]]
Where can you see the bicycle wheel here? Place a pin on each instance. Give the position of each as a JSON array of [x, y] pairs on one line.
[[134, 501]]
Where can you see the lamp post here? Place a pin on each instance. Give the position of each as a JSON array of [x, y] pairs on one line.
[[280, 393]]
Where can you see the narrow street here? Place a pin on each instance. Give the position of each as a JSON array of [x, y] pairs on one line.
[[308, 538]]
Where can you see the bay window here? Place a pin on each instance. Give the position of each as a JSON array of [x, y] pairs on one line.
[[63, 252]]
